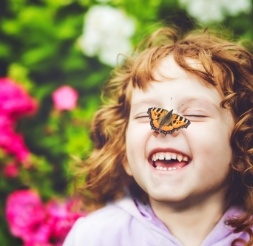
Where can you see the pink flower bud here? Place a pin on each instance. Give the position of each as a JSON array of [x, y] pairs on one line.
[[65, 98], [11, 170], [13, 143]]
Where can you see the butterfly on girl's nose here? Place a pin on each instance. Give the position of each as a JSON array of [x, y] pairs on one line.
[[164, 121]]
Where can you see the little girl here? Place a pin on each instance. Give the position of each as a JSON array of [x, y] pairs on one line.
[[172, 162]]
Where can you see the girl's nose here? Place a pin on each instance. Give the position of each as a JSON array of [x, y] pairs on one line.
[[159, 134]]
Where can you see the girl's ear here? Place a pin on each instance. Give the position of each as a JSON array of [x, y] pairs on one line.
[[127, 167]]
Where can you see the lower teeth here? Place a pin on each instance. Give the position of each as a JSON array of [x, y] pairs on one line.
[[167, 168]]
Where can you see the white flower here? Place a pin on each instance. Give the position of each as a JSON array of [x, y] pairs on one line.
[[215, 10], [107, 32]]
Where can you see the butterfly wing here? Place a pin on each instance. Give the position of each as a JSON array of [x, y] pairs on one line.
[[164, 121], [179, 122], [159, 118], [156, 115]]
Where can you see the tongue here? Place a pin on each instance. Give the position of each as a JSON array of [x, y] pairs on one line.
[[171, 163]]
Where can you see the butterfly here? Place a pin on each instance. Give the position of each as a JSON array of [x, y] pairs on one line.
[[164, 121]]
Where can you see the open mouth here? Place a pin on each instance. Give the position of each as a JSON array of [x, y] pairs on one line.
[[167, 161]]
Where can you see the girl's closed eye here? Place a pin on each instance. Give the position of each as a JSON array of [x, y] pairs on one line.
[[195, 116], [142, 116]]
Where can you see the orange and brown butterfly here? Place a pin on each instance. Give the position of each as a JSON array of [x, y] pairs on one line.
[[164, 121]]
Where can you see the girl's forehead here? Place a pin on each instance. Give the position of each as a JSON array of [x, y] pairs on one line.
[[169, 70], [165, 69], [172, 81], [176, 91]]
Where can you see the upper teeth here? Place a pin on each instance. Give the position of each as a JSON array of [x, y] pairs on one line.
[[168, 156]]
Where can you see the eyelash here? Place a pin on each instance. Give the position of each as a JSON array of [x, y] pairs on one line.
[[195, 115], [141, 116]]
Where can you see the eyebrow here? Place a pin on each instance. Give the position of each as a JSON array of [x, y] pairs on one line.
[[150, 101], [202, 102]]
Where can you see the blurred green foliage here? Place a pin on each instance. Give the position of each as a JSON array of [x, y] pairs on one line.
[[39, 49]]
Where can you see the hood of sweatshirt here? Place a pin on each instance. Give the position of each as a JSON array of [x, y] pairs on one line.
[[220, 234]]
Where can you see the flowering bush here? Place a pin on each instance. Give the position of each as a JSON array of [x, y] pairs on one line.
[[26, 214], [61, 218], [11, 169], [50, 85], [14, 100], [107, 33], [215, 10], [36, 223], [14, 104], [29, 219]]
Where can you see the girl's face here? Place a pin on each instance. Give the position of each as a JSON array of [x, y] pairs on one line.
[[200, 154]]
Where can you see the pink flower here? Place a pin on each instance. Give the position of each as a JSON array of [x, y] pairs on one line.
[[26, 217], [12, 142], [36, 224], [14, 103], [61, 218], [14, 100], [11, 170], [5, 121], [65, 98]]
